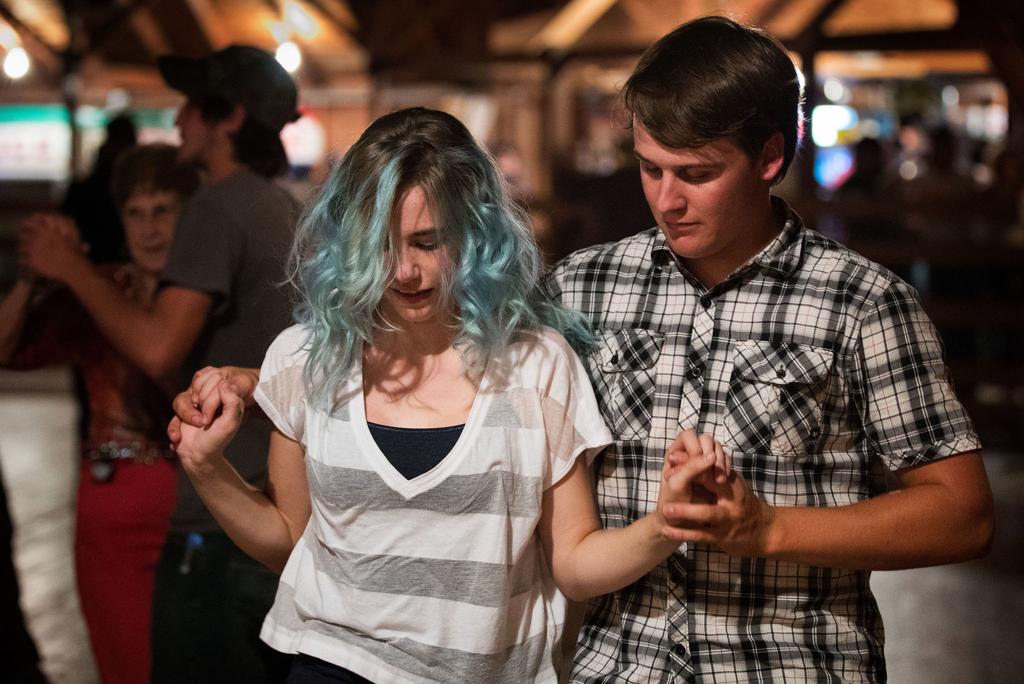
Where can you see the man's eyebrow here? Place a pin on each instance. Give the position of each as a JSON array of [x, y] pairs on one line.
[[424, 232], [695, 165]]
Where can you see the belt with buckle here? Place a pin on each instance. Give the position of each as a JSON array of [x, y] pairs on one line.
[[101, 457]]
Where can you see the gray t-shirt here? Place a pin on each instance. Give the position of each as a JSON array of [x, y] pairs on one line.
[[231, 242]]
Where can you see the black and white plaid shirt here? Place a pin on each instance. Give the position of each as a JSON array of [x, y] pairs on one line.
[[817, 370]]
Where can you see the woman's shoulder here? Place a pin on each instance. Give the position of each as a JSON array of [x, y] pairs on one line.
[[291, 346], [541, 350]]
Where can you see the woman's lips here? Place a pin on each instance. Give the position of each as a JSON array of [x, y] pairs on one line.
[[413, 297]]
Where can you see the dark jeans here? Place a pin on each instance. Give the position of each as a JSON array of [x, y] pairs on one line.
[[208, 606], [309, 670]]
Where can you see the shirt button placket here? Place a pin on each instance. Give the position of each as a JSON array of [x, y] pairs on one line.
[[697, 361]]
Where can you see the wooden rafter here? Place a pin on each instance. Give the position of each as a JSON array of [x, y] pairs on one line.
[[904, 41], [337, 13], [423, 31], [771, 10], [812, 33], [41, 51], [99, 36], [210, 22], [569, 25], [150, 34]]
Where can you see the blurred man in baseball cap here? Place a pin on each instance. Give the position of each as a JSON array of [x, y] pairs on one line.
[[241, 90], [218, 304]]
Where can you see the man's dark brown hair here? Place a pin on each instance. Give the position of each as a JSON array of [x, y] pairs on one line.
[[713, 78]]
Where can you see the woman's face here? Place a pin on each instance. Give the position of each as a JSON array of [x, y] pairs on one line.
[[149, 219], [413, 295]]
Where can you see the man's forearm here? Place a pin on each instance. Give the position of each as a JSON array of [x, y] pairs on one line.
[[156, 340], [943, 514], [129, 327], [915, 527]]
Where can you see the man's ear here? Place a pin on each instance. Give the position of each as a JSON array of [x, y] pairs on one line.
[[773, 155], [233, 123]]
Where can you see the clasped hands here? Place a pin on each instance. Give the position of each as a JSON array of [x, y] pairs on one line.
[[209, 412], [704, 500], [48, 245]]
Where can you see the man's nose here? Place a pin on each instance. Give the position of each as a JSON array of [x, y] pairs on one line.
[[669, 196]]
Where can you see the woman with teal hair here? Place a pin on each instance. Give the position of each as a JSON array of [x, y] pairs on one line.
[[428, 502]]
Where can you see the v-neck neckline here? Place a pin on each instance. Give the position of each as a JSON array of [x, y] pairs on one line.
[[439, 473]]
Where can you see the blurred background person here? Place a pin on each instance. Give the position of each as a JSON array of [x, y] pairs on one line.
[[863, 200], [941, 198], [869, 171], [1004, 198], [127, 477], [90, 201], [218, 303]]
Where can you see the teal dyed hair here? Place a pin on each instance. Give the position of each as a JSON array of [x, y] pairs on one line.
[[340, 259]]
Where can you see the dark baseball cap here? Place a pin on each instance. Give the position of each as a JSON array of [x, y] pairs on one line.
[[242, 74]]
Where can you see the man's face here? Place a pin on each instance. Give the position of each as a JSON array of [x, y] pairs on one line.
[[710, 201], [196, 134]]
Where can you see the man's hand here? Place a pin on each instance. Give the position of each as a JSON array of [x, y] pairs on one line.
[[50, 245], [731, 517], [199, 404]]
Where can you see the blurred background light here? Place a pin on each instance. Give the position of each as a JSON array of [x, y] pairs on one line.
[[16, 63], [289, 56]]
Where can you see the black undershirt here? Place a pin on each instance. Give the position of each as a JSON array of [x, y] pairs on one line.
[[414, 451]]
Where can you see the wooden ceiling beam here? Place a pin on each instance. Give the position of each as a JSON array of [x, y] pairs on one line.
[[38, 49], [902, 41], [811, 35], [423, 31], [338, 14], [211, 23], [568, 25], [99, 36], [432, 39], [768, 13], [150, 33]]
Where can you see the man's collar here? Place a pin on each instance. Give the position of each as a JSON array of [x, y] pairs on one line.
[[781, 255]]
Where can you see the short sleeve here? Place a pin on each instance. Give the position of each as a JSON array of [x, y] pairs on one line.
[[281, 391], [573, 424], [206, 251], [909, 410]]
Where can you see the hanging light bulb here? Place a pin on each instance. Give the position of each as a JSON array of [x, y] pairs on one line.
[[289, 56], [16, 63]]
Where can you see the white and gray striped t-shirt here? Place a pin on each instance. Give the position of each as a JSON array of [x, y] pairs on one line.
[[440, 578]]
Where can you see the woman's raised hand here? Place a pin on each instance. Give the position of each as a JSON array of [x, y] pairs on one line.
[[199, 404], [198, 446]]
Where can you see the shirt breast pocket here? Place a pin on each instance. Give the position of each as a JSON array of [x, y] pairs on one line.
[[774, 400], [623, 369]]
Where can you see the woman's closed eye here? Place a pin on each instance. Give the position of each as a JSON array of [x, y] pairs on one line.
[[426, 245]]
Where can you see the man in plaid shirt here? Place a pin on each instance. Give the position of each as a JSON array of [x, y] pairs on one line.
[[816, 369]]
